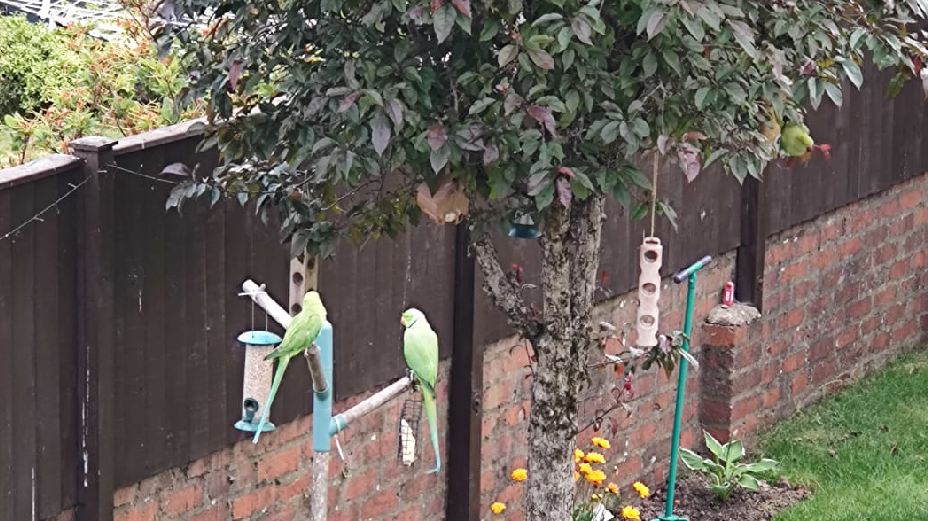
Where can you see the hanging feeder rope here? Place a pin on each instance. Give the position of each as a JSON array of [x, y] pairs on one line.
[[654, 189]]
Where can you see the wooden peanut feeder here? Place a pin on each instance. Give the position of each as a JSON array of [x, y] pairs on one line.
[[650, 259]]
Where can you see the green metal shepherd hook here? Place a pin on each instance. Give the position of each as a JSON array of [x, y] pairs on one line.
[[689, 274]]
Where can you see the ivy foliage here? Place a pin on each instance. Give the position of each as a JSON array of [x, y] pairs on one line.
[[331, 112]]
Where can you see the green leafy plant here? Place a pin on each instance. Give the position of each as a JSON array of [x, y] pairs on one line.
[[30, 64], [725, 469]]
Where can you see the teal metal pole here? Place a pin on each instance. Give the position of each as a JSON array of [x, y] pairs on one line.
[[688, 274], [322, 400]]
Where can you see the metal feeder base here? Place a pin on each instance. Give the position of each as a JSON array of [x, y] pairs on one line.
[[671, 518], [524, 231], [246, 426]]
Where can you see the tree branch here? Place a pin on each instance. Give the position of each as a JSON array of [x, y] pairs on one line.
[[504, 293]]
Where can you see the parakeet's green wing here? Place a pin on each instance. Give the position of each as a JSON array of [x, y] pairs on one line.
[[420, 348], [303, 331]]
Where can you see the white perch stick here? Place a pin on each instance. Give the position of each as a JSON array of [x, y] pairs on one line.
[[320, 496], [280, 315], [374, 401]]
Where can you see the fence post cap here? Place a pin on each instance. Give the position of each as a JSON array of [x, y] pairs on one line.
[[92, 144]]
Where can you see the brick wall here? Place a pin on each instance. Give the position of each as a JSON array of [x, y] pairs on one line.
[[843, 294]]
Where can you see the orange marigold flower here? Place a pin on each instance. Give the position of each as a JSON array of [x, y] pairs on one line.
[[641, 489], [585, 468], [630, 512], [596, 477], [613, 488], [576, 475], [601, 443], [497, 507], [594, 497], [578, 455], [519, 475], [594, 457]]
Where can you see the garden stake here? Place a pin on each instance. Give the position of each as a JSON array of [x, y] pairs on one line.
[[689, 274]]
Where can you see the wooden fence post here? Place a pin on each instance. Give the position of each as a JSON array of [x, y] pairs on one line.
[[749, 268], [465, 415], [96, 330]]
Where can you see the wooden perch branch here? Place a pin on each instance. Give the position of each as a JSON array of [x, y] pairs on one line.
[[372, 402], [506, 295]]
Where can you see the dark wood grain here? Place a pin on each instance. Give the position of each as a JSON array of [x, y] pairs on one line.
[[7, 349]]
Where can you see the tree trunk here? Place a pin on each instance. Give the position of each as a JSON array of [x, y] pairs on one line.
[[561, 336]]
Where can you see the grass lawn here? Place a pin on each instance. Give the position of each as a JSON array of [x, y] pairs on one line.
[[864, 452]]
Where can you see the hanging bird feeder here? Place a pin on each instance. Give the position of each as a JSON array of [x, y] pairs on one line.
[[649, 290], [524, 228], [257, 382], [256, 385], [410, 416]]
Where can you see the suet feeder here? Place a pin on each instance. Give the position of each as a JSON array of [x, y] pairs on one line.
[[410, 416], [257, 382], [524, 228], [650, 260]]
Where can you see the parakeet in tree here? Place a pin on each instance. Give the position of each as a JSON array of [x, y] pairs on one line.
[[300, 335], [420, 348], [795, 139]]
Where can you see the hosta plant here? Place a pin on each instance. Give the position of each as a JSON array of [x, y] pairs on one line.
[[725, 469]]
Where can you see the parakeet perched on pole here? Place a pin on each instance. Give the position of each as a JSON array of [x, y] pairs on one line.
[[300, 335], [420, 348], [795, 139]]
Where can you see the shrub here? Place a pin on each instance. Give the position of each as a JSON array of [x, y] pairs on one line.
[[31, 56], [725, 469]]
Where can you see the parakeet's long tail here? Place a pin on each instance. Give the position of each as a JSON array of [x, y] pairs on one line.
[[278, 376], [431, 413]]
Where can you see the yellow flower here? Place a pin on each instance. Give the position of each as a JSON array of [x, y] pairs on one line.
[[594, 497], [641, 489], [519, 475], [578, 455], [576, 475], [631, 512], [497, 507], [601, 443], [593, 457], [613, 488], [596, 477], [585, 468]]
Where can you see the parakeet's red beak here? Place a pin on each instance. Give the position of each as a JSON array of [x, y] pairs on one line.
[[402, 322]]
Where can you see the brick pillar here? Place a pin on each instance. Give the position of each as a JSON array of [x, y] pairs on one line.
[[730, 390]]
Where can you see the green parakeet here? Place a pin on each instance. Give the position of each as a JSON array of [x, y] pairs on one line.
[[420, 348], [795, 139], [303, 331]]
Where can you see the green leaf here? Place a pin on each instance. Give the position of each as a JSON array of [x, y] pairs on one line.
[[673, 60], [815, 93], [656, 23], [506, 54], [547, 17], [700, 97], [567, 59], [734, 450], [610, 132], [439, 158], [763, 465], [563, 38], [515, 6], [480, 105], [713, 445], [552, 102], [400, 5], [834, 92], [641, 128], [694, 27], [853, 72], [443, 20], [650, 64], [709, 17], [490, 29], [693, 461], [380, 132], [749, 482]]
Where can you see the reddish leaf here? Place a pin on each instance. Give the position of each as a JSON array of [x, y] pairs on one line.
[[518, 272], [562, 186], [604, 278], [563, 170], [542, 115], [438, 134], [348, 101], [689, 161], [808, 67], [825, 150], [663, 144], [541, 59], [463, 6], [917, 65], [436, 5], [582, 30], [511, 102], [235, 73]]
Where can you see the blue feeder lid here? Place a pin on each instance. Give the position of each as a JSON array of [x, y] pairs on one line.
[[248, 426], [259, 338]]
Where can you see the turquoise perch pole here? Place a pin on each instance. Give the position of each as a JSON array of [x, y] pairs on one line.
[[689, 274]]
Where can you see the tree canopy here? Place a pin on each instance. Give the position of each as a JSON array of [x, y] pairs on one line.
[[521, 104]]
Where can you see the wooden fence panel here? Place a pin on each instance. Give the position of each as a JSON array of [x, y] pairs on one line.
[[38, 373]]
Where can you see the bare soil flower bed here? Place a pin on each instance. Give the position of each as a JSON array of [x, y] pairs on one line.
[[693, 500]]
